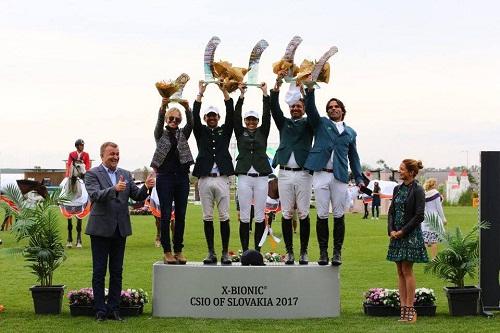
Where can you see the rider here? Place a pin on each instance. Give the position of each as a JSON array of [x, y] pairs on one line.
[[77, 155]]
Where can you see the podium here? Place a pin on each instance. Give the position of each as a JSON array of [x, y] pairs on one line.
[[275, 291]]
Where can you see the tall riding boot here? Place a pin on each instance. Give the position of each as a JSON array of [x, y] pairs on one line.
[[338, 239], [305, 231], [257, 236], [208, 227], [244, 235], [224, 234], [323, 235], [287, 230]]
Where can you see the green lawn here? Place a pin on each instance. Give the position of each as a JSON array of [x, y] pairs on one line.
[[364, 267]]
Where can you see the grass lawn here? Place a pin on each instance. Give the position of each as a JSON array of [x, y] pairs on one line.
[[364, 267]]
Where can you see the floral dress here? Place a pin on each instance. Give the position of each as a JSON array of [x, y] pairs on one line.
[[411, 247]]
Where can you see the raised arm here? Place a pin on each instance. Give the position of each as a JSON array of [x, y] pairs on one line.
[[197, 125], [279, 118], [161, 119], [189, 119], [266, 111], [238, 127], [311, 110]]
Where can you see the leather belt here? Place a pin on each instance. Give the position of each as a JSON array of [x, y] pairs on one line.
[[291, 169], [213, 175], [253, 174], [328, 170]]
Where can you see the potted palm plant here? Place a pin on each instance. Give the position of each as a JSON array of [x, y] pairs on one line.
[[459, 258], [37, 225]]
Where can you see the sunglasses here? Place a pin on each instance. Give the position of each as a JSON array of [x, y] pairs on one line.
[[174, 120]]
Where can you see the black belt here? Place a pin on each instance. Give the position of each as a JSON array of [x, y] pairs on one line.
[[214, 175], [251, 174], [291, 169], [328, 170]]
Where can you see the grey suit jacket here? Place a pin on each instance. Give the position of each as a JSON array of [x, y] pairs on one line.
[[110, 208]]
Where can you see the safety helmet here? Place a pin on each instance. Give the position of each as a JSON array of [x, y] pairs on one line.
[[79, 142]]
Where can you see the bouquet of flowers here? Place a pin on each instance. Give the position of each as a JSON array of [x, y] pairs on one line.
[[134, 297], [235, 256], [382, 296], [273, 257]]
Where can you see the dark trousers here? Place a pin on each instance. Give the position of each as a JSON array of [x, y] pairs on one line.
[[375, 210], [366, 210], [172, 187], [102, 249]]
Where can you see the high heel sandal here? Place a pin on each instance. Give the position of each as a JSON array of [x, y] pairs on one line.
[[404, 313], [412, 315]]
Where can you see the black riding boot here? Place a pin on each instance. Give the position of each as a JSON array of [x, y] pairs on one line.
[[244, 235], [257, 236], [323, 235], [208, 227], [287, 230], [338, 240], [224, 234], [305, 231]]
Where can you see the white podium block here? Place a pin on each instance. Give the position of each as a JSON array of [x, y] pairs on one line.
[[274, 291]]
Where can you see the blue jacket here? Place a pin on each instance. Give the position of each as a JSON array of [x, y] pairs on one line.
[[326, 139]]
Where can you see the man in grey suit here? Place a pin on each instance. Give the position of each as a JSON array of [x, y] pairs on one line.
[[109, 188]]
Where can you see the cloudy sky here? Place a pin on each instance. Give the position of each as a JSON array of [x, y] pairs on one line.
[[419, 79]]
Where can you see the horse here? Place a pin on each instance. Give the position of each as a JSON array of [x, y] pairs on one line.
[[79, 205], [152, 203]]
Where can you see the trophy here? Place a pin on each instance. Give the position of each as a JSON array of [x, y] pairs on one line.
[[313, 72], [286, 63], [223, 72], [253, 63], [173, 89]]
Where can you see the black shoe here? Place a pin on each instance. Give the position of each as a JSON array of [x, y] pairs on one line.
[[115, 315], [225, 259], [304, 258], [337, 259], [323, 258], [289, 259], [211, 259], [100, 316]]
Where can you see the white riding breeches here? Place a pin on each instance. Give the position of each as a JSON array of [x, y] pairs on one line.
[[252, 190], [328, 190]]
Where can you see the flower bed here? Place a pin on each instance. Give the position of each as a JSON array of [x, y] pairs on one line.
[[385, 302], [81, 302]]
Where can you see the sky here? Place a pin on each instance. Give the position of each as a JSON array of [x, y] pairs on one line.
[[419, 79]]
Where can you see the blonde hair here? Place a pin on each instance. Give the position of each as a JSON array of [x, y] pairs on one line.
[[430, 184], [172, 111]]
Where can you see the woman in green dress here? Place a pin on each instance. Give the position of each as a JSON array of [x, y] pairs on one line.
[[406, 241]]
